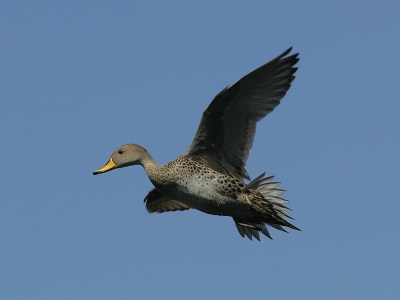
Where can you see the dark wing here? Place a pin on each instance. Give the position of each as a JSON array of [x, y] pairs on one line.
[[157, 202], [226, 132]]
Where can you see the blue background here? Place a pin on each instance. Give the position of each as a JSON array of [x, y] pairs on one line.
[[80, 78]]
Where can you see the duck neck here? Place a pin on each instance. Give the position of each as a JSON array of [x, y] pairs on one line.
[[149, 164]]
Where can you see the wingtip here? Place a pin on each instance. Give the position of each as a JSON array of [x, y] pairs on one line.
[[287, 51]]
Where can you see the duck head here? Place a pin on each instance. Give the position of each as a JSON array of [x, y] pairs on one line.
[[125, 156]]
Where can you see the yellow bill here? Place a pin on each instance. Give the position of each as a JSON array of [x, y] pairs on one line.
[[108, 167]]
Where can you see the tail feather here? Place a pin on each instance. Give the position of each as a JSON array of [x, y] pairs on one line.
[[276, 226], [251, 229], [280, 207], [269, 191]]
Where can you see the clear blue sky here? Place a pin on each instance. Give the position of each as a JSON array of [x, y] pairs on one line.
[[80, 78]]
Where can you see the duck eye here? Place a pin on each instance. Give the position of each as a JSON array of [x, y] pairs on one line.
[[120, 151]]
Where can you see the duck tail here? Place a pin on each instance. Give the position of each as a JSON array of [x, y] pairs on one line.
[[271, 193], [269, 190]]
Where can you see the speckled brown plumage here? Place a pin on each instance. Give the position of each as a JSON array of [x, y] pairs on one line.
[[209, 175]]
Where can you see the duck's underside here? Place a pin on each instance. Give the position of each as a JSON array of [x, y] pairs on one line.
[[265, 206]]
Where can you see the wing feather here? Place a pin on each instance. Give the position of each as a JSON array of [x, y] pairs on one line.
[[226, 132], [157, 202]]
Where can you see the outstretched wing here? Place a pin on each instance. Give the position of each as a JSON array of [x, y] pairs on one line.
[[226, 132], [157, 202]]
